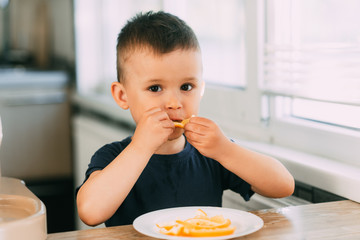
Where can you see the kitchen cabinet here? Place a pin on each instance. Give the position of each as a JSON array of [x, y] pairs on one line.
[[36, 146]]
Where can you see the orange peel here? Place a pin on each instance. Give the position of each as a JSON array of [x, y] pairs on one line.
[[199, 226]]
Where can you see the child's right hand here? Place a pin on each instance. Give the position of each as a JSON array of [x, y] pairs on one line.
[[153, 129]]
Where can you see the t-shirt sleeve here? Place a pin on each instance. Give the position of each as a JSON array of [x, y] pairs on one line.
[[101, 159]]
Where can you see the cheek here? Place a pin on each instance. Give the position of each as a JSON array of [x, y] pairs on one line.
[[194, 105], [140, 104], [136, 110]]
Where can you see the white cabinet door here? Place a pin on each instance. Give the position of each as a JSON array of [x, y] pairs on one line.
[[89, 135]]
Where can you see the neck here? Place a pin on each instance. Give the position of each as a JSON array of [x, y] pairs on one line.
[[172, 146]]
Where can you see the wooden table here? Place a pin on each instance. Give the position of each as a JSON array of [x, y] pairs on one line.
[[332, 220]]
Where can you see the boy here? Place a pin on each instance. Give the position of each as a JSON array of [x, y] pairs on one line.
[[161, 166]]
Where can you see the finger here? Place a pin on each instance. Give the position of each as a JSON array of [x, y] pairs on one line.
[[151, 114], [168, 123], [196, 128], [200, 120], [193, 137], [159, 115], [153, 110]]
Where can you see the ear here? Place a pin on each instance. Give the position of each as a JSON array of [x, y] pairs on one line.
[[119, 94]]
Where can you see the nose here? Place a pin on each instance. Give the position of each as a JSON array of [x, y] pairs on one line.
[[173, 101]]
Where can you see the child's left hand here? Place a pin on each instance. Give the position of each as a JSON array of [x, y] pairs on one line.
[[206, 136]]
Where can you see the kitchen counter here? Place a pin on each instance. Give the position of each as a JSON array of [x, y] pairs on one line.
[[331, 220]]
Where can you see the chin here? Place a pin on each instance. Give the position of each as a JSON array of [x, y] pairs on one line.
[[176, 134]]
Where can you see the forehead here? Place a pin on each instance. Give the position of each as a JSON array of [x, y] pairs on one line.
[[144, 63]]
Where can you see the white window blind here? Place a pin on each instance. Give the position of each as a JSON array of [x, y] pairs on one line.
[[312, 50]]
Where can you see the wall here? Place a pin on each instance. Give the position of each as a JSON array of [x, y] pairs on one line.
[[41, 28]]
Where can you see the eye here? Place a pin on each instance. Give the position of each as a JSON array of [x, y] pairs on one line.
[[155, 88], [186, 87]]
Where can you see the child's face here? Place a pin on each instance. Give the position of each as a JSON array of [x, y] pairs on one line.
[[172, 82]]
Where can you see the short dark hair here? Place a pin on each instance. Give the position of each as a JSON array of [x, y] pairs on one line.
[[160, 32]]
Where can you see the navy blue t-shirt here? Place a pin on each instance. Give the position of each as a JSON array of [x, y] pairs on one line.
[[183, 179]]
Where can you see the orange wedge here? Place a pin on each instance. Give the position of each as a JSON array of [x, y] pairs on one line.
[[203, 223], [218, 219], [215, 232], [200, 213], [182, 123], [199, 226], [166, 226], [175, 230]]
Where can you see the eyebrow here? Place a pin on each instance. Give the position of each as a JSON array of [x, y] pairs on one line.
[[193, 79], [153, 81], [186, 79]]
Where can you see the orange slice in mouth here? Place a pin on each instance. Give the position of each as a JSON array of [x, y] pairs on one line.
[[182, 123]]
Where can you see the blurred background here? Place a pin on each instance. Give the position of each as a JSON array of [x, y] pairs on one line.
[[283, 78]]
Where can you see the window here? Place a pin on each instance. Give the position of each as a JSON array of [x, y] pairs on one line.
[[336, 114], [311, 76], [312, 56], [219, 27], [220, 31], [97, 24], [290, 68]]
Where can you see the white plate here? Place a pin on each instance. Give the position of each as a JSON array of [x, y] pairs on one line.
[[244, 222]]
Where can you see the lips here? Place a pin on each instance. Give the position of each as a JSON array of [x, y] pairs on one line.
[[176, 119], [177, 122]]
